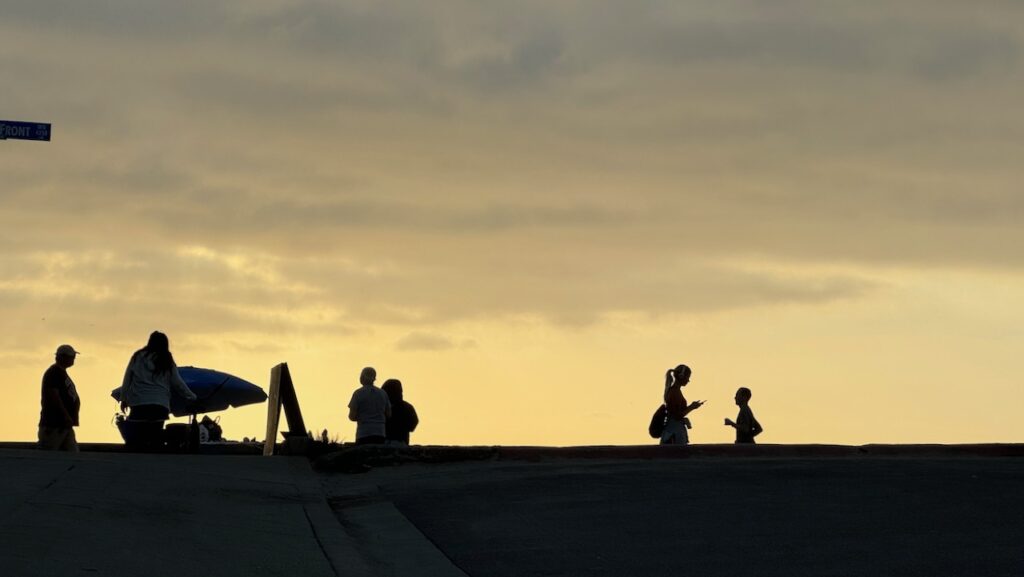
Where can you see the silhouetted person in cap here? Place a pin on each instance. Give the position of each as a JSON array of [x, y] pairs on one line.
[[746, 425], [403, 419], [370, 409], [60, 404]]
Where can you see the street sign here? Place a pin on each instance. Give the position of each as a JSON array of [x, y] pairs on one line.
[[24, 130]]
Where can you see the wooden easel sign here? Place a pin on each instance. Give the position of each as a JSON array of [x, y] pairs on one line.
[[282, 394]]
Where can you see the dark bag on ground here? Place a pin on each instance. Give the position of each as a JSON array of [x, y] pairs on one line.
[[657, 426], [213, 428]]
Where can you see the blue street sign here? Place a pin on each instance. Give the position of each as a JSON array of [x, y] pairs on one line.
[[24, 130]]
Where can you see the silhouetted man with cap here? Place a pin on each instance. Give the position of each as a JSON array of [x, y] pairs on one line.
[[60, 404]]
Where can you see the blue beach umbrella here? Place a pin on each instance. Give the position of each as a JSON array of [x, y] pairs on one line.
[[215, 390]]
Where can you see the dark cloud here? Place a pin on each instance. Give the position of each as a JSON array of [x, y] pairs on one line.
[[494, 45], [115, 18], [202, 293], [413, 164], [351, 30], [956, 54], [533, 60], [405, 216], [572, 289], [937, 44]]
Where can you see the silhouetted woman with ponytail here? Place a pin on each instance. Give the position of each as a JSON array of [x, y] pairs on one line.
[[677, 425], [149, 381]]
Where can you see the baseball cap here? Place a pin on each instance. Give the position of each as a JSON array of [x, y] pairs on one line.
[[67, 351]]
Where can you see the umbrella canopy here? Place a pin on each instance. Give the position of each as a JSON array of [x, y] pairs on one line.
[[215, 390]]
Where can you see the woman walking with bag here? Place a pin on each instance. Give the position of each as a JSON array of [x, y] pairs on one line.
[[150, 379], [675, 432]]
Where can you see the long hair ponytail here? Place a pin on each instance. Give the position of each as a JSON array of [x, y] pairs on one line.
[[159, 349]]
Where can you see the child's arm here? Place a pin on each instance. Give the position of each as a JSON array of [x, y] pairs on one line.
[[755, 427]]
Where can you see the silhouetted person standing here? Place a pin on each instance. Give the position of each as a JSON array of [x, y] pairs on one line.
[[370, 409], [403, 419], [60, 404], [746, 425], [149, 381], [675, 432]]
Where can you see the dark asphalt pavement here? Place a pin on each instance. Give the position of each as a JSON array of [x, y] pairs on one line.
[[759, 517], [115, 515]]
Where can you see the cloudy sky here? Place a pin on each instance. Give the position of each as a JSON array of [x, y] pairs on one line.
[[526, 211]]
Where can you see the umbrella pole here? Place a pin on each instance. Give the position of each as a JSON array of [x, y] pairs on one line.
[[193, 435]]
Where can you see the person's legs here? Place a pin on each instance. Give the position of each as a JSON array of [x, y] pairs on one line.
[[675, 433], [52, 438], [152, 437], [70, 442], [371, 440], [148, 425]]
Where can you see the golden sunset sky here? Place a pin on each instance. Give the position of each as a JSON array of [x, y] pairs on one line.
[[526, 211]]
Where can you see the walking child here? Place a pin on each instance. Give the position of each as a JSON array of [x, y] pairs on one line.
[[746, 425]]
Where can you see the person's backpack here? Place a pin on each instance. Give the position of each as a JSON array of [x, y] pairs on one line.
[[657, 426]]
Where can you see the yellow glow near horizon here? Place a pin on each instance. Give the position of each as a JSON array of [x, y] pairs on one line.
[[885, 371]]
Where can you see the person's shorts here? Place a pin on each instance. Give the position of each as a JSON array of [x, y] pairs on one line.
[[675, 433], [58, 439]]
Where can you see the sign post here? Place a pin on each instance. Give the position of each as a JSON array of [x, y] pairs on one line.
[[282, 394], [273, 410], [24, 130]]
